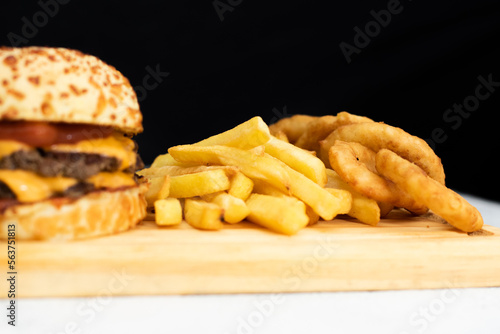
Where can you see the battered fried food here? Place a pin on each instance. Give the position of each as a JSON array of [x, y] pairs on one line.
[[427, 191], [377, 136], [316, 131], [355, 164], [320, 128], [292, 127], [345, 118], [279, 178]]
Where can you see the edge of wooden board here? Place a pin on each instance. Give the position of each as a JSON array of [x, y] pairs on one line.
[[402, 252]]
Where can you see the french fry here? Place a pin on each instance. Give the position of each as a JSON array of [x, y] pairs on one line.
[[202, 215], [258, 150], [313, 216], [253, 166], [277, 213], [298, 159], [344, 200], [166, 160], [159, 188], [246, 135], [325, 204], [182, 170], [264, 188], [365, 209], [241, 186], [168, 212], [234, 209], [198, 184]]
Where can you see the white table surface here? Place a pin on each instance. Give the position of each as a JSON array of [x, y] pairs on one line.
[[472, 310]]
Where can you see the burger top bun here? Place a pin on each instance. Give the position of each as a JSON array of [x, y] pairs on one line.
[[63, 85]]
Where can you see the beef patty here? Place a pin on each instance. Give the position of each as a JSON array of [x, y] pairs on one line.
[[76, 165]]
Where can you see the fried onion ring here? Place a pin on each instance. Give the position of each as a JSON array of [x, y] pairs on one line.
[[320, 128], [316, 131], [355, 164], [377, 136], [438, 198], [293, 127], [345, 118]]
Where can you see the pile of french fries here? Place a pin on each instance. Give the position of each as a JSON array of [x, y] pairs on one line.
[[246, 174]]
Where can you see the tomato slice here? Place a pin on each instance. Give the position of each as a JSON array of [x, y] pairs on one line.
[[36, 134], [41, 134], [73, 133]]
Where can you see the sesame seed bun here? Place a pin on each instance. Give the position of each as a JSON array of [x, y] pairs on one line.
[[96, 214], [63, 85]]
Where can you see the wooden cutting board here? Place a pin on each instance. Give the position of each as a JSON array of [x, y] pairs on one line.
[[402, 252]]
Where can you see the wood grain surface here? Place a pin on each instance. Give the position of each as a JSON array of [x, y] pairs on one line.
[[402, 252]]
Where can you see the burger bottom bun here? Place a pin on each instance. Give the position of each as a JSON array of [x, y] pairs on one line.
[[95, 214]]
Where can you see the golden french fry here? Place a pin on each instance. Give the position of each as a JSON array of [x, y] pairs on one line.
[[246, 135], [253, 166], [277, 213], [202, 215], [344, 200], [198, 184], [258, 150], [241, 186], [318, 198], [325, 204], [313, 216], [168, 211], [166, 160], [264, 188], [210, 197], [182, 170], [298, 159], [159, 188], [365, 209], [234, 209]]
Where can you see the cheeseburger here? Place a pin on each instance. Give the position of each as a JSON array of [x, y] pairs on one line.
[[67, 160]]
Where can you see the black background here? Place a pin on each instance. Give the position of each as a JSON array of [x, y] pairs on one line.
[[282, 58]]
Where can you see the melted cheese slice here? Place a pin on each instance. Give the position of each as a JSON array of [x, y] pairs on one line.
[[31, 187], [116, 145], [111, 180], [7, 147]]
